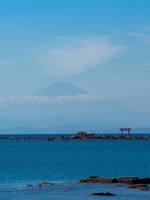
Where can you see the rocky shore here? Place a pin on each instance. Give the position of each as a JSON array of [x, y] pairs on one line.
[[41, 184], [142, 183], [79, 135], [133, 182]]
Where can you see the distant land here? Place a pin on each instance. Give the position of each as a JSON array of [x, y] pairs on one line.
[[71, 129], [61, 89]]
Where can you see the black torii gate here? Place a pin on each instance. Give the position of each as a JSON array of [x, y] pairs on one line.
[[125, 129]]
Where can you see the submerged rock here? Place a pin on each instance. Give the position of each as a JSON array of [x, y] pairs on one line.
[[121, 185], [103, 193], [41, 184], [139, 186], [29, 185], [45, 183]]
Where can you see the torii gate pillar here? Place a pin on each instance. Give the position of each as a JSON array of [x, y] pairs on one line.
[[125, 129]]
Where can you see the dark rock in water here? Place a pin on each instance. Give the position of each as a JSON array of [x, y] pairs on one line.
[[39, 185], [61, 137], [29, 185], [121, 179], [133, 180], [49, 138], [103, 193], [121, 185], [139, 186], [126, 179], [98, 179], [45, 183], [82, 134]]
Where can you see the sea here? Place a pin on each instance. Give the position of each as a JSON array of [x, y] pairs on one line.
[[65, 162]]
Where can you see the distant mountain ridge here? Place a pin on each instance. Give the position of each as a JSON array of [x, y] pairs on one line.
[[70, 129], [62, 126], [61, 89]]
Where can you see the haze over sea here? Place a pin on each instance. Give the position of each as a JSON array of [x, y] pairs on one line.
[[65, 162]]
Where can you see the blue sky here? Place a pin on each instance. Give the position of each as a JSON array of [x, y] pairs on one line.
[[102, 46]]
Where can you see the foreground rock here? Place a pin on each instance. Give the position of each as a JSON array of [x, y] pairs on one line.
[[103, 193], [134, 182], [98, 179]]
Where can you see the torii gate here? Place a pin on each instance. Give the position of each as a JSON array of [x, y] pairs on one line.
[[125, 129]]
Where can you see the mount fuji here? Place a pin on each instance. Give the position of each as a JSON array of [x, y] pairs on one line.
[[61, 89]]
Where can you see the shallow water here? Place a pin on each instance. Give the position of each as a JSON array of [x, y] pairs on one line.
[[65, 162]]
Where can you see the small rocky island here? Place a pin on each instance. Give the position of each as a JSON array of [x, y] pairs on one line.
[[141, 183], [79, 135]]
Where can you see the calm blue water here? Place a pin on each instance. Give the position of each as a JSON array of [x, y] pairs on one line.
[[65, 162]]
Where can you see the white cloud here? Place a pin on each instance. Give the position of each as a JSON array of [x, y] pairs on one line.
[[74, 56], [143, 34], [47, 99], [3, 99]]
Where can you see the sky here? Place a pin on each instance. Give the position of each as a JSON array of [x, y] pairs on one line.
[[102, 46]]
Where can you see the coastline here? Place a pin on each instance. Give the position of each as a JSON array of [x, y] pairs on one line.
[[73, 191]]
